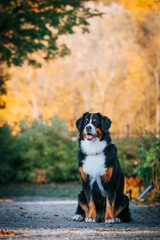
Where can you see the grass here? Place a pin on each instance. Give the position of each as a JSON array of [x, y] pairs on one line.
[[66, 189]]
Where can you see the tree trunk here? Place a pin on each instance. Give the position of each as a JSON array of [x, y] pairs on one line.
[[157, 82]]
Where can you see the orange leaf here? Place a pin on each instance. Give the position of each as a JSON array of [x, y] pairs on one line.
[[115, 234], [2, 232]]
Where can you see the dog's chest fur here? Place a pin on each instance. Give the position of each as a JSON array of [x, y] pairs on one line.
[[93, 165], [94, 162]]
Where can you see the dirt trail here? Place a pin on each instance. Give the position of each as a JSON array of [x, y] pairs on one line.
[[50, 218]]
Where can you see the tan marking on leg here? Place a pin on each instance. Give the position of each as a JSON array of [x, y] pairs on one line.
[[109, 210], [92, 210], [108, 174], [84, 207], [83, 174]]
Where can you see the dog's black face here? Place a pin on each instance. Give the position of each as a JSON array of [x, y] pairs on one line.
[[93, 125]]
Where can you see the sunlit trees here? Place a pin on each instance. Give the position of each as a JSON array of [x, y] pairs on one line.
[[28, 26], [113, 69], [148, 39]]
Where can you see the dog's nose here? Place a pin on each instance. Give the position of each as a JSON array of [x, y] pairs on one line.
[[88, 128]]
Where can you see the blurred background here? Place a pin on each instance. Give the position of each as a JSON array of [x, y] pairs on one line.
[[62, 58]]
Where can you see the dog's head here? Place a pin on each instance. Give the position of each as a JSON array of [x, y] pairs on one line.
[[93, 125]]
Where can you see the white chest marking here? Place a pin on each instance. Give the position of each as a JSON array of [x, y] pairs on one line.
[[94, 166], [94, 163], [93, 147]]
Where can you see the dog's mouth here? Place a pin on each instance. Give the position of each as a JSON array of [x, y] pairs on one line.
[[90, 136]]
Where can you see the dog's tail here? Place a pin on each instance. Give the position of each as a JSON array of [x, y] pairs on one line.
[[123, 201], [125, 215]]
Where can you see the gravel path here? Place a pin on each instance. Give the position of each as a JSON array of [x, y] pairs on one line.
[[50, 218]]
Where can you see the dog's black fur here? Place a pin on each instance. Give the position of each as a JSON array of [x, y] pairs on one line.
[[115, 202]]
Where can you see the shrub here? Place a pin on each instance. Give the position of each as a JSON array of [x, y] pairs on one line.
[[127, 154], [149, 162], [41, 153], [8, 154]]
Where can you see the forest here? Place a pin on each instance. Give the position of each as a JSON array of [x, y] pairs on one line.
[[98, 56]]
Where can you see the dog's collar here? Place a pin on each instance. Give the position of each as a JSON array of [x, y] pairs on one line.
[[93, 154]]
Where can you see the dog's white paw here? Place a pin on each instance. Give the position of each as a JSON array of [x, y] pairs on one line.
[[117, 220], [110, 221], [89, 220], [77, 218]]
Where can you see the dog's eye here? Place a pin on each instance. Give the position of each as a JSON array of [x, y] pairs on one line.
[[94, 120]]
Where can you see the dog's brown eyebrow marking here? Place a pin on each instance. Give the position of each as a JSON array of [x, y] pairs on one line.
[[87, 119], [94, 120]]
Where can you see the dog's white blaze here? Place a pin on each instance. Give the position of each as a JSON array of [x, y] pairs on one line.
[[91, 118]]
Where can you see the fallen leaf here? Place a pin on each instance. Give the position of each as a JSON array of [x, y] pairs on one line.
[[63, 233], [52, 227], [115, 234], [98, 234], [2, 232], [52, 221], [56, 215], [154, 205], [9, 232], [6, 200]]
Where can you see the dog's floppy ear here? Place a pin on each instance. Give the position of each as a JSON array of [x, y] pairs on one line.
[[79, 123], [106, 123]]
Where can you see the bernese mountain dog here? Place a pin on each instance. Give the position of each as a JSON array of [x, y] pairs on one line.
[[102, 197]]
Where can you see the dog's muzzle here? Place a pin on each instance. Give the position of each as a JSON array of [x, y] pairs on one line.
[[90, 132]]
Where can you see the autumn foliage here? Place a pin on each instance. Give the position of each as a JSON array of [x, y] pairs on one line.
[[134, 185], [113, 69]]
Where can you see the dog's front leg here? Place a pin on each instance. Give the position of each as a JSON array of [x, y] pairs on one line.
[[110, 212], [92, 211], [110, 208]]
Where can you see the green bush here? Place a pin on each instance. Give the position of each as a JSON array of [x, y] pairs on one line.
[[45, 153], [127, 154], [39, 149], [8, 154], [149, 162]]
